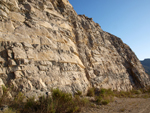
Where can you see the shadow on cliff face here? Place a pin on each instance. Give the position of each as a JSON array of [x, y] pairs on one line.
[[131, 63]]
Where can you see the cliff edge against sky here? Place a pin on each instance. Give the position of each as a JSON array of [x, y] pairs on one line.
[[44, 44]]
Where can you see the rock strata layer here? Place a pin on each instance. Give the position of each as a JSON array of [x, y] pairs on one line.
[[44, 44]]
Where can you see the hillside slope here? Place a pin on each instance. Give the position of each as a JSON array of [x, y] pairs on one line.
[[146, 65], [44, 44]]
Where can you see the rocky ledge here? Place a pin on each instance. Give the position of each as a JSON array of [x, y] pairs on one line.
[[44, 44]]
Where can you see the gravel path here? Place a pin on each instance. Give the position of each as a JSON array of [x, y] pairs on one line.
[[122, 105]]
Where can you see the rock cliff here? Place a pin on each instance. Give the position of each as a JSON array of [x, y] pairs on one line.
[[44, 44]]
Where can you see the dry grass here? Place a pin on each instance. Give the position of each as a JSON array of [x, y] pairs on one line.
[[104, 96], [60, 102], [91, 92]]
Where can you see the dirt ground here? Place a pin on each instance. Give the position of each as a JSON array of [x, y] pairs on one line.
[[122, 105]]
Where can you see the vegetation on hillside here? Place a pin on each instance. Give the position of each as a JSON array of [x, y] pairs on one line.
[[60, 102], [147, 69]]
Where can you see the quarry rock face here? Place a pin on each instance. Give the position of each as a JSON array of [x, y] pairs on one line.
[[44, 44]]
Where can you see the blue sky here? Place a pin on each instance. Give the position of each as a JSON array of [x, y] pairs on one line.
[[127, 19]]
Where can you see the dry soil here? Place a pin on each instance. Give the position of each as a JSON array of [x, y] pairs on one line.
[[122, 105]]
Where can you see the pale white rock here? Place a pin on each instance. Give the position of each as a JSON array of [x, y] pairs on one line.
[[19, 53], [45, 24], [14, 4], [20, 30], [2, 13], [27, 45], [4, 8], [1, 85], [2, 70], [18, 74], [66, 2], [1, 82], [54, 13], [14, 68], [12, 62], [16, 16], [48, 5], [3, 0], [2, 60], [65, 26], [9, 26]]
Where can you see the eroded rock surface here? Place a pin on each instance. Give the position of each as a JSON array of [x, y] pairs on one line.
[[44, 44]]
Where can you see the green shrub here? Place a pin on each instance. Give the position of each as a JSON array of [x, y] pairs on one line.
[[9, 111], [58, 102], [102, 101], [91, 92], [124, 94], [147, 90], [84, 101], [105, 96], [4, 98], [146, 96], [79, 93], [19, 98], [137, 92], [102, 91], [30, 103], [5, 89], [58, 95], [105, 102], [98, 99]]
